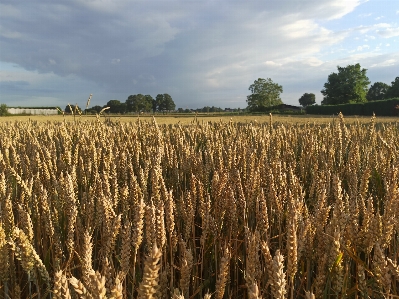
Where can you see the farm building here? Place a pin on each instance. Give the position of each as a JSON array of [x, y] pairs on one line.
[[34, 111]]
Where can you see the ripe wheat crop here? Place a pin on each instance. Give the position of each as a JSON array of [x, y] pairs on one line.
[[94, 209]]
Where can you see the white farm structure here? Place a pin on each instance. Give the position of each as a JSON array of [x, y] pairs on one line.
[[33, 111]]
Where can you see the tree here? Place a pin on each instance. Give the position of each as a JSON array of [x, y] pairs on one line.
[[139, 103], [393, 90], [96, 108], [206, 109], [154, 105], [215, 109], [3, 110], [164, 102], [149, 99], [349, 85], [115, 106], [377, 91], [73, 107], [265, 93], [307, 99]]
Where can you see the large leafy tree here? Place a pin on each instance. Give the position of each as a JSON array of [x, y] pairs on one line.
[[307, 99], [139, 103], [377, 91], [349, 85], [265, 93], [164, 102], [393, 90]]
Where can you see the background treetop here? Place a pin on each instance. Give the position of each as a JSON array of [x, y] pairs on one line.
[[349, 85], [164, 102], [265, 93], [139, 103], [393, 90], [307, 99], [377, 91]]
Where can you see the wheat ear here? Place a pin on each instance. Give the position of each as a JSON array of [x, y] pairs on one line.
[[149, 285]]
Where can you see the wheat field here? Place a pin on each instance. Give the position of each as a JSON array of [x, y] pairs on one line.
[[187, 119], [203, 209]]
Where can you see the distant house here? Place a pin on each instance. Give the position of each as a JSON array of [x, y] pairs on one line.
[[33, 111]]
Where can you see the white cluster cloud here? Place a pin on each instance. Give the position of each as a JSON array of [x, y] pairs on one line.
[[361, 48]]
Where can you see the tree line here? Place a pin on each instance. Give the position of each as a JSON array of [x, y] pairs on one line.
[[134, 104], [144, 103], [348, 85], [205, 109]]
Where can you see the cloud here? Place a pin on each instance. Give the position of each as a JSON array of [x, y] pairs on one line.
[[13, 85], [272, 63], [361, 48], [303, 29], [313, 61], [198, 51], [18, 85], [364, 29], [389, 32], [365, 15], [388, 62], [341, 7]]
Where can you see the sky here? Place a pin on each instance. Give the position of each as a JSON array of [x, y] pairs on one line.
[[202, 53]]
